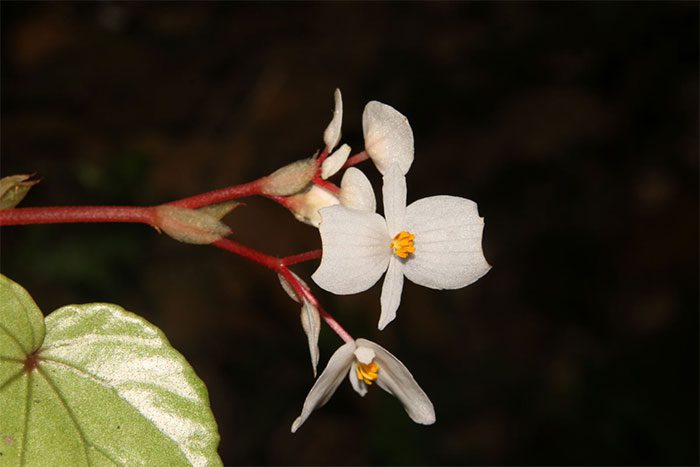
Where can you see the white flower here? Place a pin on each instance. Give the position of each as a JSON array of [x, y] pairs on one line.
[[388, 137], [365, 363], [434, 242]]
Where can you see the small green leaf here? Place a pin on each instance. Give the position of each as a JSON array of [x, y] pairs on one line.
[[104, 387]]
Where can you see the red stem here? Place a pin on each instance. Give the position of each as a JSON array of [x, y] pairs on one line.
[[277, 265], [73, 214], [356, 159], [326, 185], [223, 194], [301, 257], [270, 262], [303, 293], [147, 215]]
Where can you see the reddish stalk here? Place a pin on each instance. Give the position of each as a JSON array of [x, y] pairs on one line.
[[270, 262], [326, 185], [301, 257], [305, 294], [322, 156], [333, 324], [356, 159], [147, 215], [77, 214], [276, 264], [224, 194]]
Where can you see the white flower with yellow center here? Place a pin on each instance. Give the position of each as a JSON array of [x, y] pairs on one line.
[[365, 363], [434, 242]]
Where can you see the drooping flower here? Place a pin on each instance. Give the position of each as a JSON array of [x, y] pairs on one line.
[[434, 242], [365, 363]]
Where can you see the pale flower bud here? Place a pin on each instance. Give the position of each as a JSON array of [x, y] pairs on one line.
[[190, 225], [305, 206], [331, 136], [290, 179], [335, 161]]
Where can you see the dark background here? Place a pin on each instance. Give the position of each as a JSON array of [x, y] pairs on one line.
[[574, 126]]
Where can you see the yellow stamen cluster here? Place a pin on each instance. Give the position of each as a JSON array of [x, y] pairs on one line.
[[402, 244], [367, 373]]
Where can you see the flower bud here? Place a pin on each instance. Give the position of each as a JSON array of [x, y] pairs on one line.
[[290, 179], [305, 206], [335, 161], [331, 136], [13, 189], [190, 225]]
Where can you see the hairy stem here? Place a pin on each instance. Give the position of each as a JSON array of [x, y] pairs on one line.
[[224, 194], [77, 214]]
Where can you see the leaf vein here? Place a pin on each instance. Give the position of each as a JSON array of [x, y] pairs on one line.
[[14, 338], [71, 414]]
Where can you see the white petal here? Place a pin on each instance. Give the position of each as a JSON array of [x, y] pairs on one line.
[[364, 355], [355, 250], [335, 161], [394, 196], [306, 205], [311, 322], [288, 288], [331, 135], [356, 191], [327, 382], [388, 136], [391, 292], [360, 387], [448, 234], [395, 378]]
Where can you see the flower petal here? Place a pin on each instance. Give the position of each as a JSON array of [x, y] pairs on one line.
[[355, 250], [331, 135], [311, 322], [335, 161], [356, 191], [448, 234], [391, 292], [388, 136], [394, 196], [395, 379], [360, 387], [327, 382]]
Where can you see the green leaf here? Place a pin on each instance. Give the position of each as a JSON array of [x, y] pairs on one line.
[[102, 387]]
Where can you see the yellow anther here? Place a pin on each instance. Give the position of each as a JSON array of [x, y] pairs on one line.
[[367, 373], [402, 244]]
